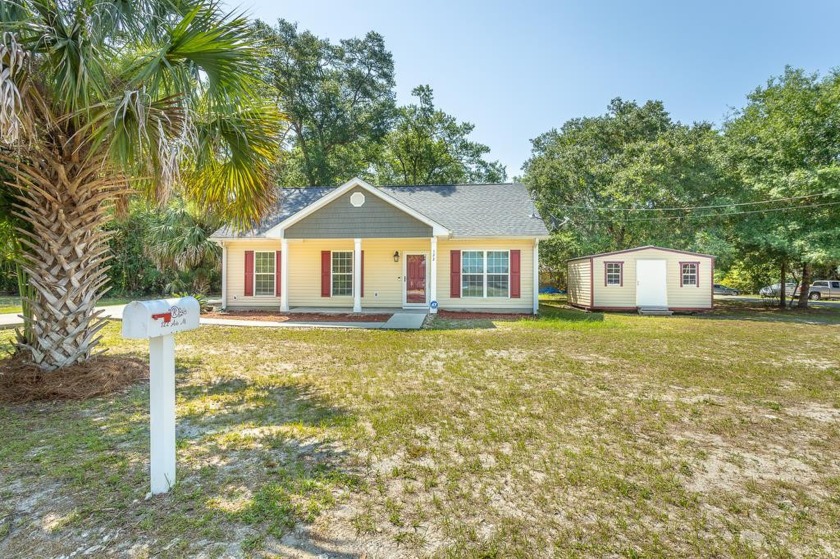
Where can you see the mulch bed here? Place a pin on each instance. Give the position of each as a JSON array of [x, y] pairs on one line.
[[269, 316], [22, 381], [458, 315]]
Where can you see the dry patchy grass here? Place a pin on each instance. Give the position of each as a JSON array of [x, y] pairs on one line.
[[570, 435]]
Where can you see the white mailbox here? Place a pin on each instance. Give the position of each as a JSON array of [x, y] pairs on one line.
[[150, 319], [158, 321]]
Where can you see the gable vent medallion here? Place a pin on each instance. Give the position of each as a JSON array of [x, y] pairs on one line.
[[357, 199]]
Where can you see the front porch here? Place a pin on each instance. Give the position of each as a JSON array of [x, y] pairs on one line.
[[382, 274], [377, 276], [347, 310]]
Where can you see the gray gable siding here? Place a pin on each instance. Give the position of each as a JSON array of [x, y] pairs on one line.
[[375, 219]]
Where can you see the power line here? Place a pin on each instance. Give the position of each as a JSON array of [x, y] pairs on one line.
[[672, 217], [691, 208]]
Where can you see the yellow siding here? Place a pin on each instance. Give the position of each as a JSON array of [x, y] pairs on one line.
[[578, 283], [383, 277], [678, 297], [522, 304], [236, 274]]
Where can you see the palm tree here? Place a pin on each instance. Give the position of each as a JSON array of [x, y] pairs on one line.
[[179, 243], [103, 98]]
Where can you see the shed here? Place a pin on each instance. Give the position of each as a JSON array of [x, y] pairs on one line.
[[640, 278]]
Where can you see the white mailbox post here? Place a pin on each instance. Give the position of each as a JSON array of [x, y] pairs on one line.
[[158, 321]]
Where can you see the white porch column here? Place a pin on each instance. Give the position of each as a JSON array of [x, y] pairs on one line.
[[284, 276], [357, 275], [433, 275], [536, 276], [224, 275]]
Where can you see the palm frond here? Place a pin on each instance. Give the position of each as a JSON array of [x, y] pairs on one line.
[[233, 158]]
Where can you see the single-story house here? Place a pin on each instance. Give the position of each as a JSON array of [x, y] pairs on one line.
[[355, 247], [644, 277]]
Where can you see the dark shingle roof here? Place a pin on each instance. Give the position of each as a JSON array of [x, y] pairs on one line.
[[467, 210]]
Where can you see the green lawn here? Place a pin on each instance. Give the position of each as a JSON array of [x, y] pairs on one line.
[[9, 304], [574, 435]]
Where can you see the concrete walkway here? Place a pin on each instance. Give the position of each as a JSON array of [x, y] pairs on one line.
[[12, 320], [406, 320], [401, 320]]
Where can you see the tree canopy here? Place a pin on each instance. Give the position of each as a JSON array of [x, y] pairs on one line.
[[343, 120], [338, 98], [784, 148], [609, 182], [428, 146]]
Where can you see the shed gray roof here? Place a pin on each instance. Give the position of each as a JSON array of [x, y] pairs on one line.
[[468, 210]]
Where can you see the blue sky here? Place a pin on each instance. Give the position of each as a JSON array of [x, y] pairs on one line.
[[516, 68]]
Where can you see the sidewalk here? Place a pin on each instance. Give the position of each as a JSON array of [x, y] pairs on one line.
[[399, 321], [12, 320]]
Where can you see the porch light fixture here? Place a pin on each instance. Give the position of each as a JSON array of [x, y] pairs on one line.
[[396, 256]]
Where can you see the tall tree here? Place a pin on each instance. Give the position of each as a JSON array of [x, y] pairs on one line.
[[785, 146], [98, 97], [428, 146], [338, 99], [609, 182]]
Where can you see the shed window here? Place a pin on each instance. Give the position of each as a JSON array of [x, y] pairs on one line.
[[264, 271], [689, 274], [613, 273], [485, 273], [342, 273]]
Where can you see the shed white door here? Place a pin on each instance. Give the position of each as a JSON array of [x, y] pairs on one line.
[[651, 283]]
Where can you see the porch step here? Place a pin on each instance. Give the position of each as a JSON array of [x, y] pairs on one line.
[[655, 311], [405, 320]]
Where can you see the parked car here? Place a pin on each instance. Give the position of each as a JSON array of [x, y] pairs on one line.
[[724, 290], [822, 289], [774, 290]]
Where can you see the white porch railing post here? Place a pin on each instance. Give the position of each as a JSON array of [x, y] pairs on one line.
[[224, 275], [536, 268], [284, 276], [357, 275], [433, 276]]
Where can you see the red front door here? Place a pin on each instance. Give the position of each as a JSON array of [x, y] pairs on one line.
[[415, 290]]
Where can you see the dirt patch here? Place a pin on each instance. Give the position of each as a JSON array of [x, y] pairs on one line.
[[22, 381], [459, 315], [268, 316], [817, 412], [729, 468]]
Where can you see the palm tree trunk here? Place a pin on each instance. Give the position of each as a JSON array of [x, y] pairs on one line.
[[63, 198]]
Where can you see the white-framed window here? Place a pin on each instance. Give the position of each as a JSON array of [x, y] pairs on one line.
[[264, 273], [688, 274], [485, 273], [342, 273], [614, 273]]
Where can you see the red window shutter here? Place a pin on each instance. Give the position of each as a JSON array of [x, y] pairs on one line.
[[515, 275], [697, 269], [277, 277], [326, 265], [455, 274], [249, 273], [362, 270]]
